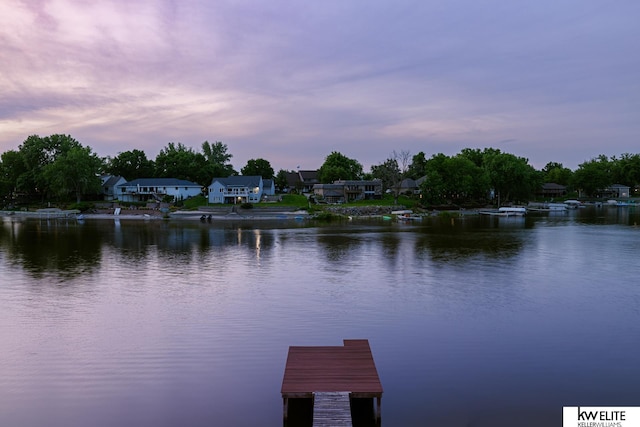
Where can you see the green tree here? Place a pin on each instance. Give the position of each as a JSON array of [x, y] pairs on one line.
[[512, 178], [593, 175], [259, 167], [388, 172], [418, 167], [337, 166], [11, 167], [37, 153], [218, 160], [178, 161], [131, 165], [626, 170], [557, 173], [281, 180], [74, 172]]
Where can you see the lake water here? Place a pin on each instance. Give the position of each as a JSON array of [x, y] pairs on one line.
[[475, 321]]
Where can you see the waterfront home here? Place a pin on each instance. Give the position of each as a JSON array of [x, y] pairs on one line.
[[343, 191], [144, 189], [236, 189], [302, 180], [268, 187], [109, 184]]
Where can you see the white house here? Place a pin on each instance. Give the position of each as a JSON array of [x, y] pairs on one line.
[[236, 189], [144, 189]]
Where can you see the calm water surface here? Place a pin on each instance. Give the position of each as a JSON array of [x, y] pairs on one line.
[[472, 322]]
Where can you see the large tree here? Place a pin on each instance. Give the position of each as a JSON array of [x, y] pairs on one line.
[[74, 173], [217, 160], [11, 167], [593, 175], [178, 161], [131, 165], [38, 153], [260, 167], [557, 173], [418, 167], [389, 173], [281, 180], [626, 170], [338, 166], [511, 177]]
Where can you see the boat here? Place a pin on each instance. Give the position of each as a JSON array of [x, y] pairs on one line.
[[506, 211], [409, 217], [547, 207], [572, 204]]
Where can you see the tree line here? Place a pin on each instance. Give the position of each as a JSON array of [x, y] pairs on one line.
[[59, 167]]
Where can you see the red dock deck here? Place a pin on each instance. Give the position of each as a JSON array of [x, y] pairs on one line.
[[349, 368]]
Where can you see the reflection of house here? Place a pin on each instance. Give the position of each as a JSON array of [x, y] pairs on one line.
[[303, 180], [109, 184], [143, 189], [236, 189], [551, 190], [342, 191]]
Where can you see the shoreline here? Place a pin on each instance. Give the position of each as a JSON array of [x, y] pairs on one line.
[[50, 214]]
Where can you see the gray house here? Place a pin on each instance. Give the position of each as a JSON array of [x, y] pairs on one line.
[[236, 189], [269, 187], [342, 191], [109, 184]]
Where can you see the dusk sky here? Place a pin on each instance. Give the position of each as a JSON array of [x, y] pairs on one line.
[[292, 81]]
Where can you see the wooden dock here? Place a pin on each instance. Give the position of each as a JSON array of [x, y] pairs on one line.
[[331, 409], [349, 370]]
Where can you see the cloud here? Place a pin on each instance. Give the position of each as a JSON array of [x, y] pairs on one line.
[[291, 82]]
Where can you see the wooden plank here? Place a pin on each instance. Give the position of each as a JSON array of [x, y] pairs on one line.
[[331, 368], [331, 409]]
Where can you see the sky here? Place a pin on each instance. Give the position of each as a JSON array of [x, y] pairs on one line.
[[292, 81]]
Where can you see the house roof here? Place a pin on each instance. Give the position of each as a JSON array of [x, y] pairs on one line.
[[553, 186], [267, 182], [618, 186], [308, 176], [111, 180], [408, 183], [161, 182], [239, 180]]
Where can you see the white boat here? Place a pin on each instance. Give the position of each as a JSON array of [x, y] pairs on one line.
[[513, 211], [506, 211], [548, 207], [572, 204]]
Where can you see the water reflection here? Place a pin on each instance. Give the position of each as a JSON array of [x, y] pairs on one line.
[[486, 236], [39, 246]]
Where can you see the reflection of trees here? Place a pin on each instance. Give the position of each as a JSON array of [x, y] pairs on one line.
[[339, 247], [454, 244], [65, 247]]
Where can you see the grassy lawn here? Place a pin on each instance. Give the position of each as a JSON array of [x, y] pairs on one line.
[[300, 201]]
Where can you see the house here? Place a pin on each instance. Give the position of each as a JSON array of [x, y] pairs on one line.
[[109, 184], [551, 190], [268, 187], [343, 191], [302, 180], [236, 189], [143, 189], [616, 191]]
